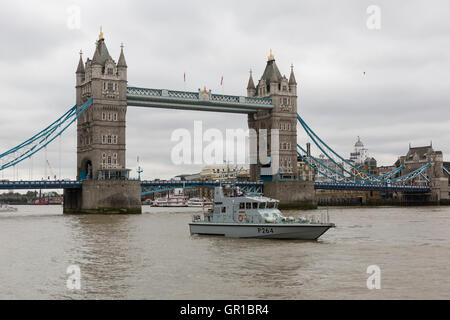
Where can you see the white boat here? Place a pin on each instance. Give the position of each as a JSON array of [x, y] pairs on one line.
[[176, 199], [199, 202], [251, 216], [7, 208], [172, 201]]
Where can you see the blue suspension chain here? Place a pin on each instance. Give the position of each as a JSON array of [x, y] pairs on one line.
[[45, 135]]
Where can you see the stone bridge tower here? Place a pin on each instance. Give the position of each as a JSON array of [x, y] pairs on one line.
[[283, 117], [101, 128], [101, 158], [416, 157]]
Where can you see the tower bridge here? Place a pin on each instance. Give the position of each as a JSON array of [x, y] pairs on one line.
[[103, 184], [101, 128], [201, 101]]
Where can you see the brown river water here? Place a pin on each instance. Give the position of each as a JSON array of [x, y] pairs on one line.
[[153, 256]]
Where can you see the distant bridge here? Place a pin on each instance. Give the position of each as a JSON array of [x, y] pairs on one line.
[[370, 187], [149, 187]]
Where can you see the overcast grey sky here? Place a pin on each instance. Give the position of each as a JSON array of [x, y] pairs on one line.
[[402, 98]]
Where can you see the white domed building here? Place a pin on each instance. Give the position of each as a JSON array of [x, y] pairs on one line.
[[360, 154]]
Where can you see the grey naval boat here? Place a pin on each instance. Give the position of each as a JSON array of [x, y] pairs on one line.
[[253, 216]]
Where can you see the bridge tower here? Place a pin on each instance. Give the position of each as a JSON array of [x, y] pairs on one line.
[[101, 129], [283, 117], [416, 157], [282, 184], [101, 158]]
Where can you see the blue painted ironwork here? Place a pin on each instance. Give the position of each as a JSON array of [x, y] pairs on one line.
[[43, 184], [249, 187], [359, 175], [40, 140], [392, 173], [395, 183], [171, 99], [385, 178], [371, 187], [315, 167], [149, 187], [425, 177], [411, 175], [446, 170]]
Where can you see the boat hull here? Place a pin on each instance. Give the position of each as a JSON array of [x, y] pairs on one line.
[[268, 230]]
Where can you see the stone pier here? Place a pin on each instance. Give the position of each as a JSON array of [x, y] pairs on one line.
[[292, 194], [104, 196]]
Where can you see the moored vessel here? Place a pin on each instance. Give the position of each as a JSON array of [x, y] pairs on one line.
[[175, 199], [199, 202]]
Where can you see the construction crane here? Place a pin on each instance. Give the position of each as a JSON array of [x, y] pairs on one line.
[[51, 170]]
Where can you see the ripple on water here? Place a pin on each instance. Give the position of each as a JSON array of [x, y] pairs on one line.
[[153, 256]]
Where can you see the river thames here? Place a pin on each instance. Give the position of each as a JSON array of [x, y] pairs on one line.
[[153, 256]]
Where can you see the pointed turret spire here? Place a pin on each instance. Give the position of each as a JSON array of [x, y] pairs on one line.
[[251, 84], [80, 68], [121, 62], [271, 57], [271, 73], [292, 77], [100, 36], [101, 53]]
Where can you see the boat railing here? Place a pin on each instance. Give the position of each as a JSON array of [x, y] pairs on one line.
[[324, 217]]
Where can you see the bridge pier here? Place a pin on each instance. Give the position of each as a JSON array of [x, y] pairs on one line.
[[104, 196], [292, 194]]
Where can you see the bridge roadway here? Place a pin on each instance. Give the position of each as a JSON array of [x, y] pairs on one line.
[[370, 187], [200, 101], [159, 186]]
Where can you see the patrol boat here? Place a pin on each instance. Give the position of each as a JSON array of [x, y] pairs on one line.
[[253, 216]]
